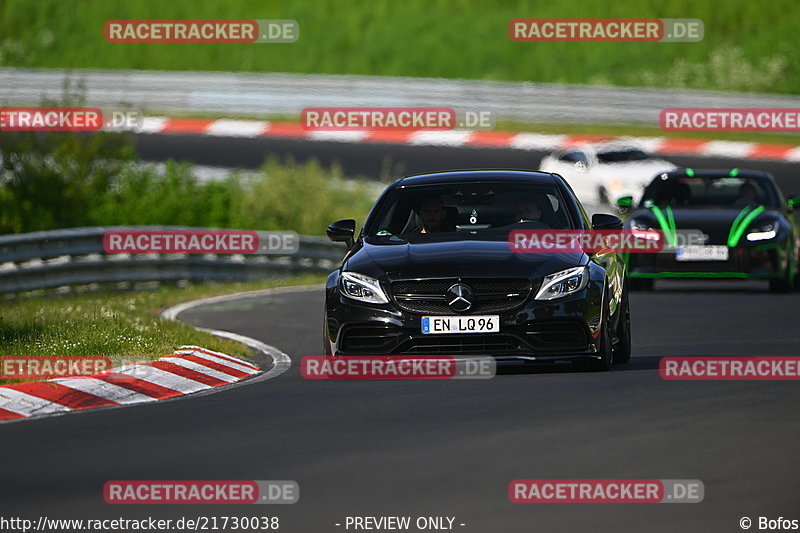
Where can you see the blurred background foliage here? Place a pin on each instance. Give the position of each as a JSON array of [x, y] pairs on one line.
[[748, 46]]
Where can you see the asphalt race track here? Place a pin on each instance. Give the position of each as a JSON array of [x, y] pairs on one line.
[[450, 448], [390, 161]]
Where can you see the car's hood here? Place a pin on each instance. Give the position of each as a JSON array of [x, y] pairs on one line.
[[635, 167], [628, 178], [622, 176], [627, 170], [381, 257], [714, 222]]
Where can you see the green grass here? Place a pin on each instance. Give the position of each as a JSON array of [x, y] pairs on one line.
[[121, 325], [748, 46]]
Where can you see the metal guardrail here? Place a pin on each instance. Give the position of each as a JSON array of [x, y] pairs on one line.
[[276, 93], [70, 257]]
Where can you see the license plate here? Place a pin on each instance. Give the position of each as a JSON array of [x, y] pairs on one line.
[[461, 324], [701, 253]]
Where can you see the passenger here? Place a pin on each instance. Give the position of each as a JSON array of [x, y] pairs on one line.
[[530, 212], [682, 194]]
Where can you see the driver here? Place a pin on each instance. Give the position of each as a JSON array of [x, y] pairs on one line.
[[432, 212], [748, 194]]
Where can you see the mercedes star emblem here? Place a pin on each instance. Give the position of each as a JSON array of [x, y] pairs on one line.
[[458, 297]]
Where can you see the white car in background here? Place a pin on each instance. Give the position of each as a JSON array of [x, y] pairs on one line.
[[602, 173]]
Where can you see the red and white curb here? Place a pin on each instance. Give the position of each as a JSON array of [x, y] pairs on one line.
[[465, 138], [190, 369]]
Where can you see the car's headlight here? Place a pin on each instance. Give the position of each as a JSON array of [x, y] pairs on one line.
[[562, 283], [763, 232], [362, 288]]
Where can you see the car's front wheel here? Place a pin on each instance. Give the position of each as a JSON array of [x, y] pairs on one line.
[[785, 283], [622, 348], [326, 341], [605, 351]]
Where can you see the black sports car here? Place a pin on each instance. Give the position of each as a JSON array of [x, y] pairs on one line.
[[432, 273], [745, 228]]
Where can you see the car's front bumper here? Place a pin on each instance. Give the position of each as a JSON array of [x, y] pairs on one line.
[[560, 330], [764, 261]]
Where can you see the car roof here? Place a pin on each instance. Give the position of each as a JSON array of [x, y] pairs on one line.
[[455, 176], [718, 173], [609, 145]]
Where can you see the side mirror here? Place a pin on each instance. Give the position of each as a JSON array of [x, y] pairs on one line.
[[794, 201], [342, 231], [600, 221], [625, 202]]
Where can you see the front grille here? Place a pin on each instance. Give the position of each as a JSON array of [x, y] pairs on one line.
[[461, 345], [490, 295], [666, 262]]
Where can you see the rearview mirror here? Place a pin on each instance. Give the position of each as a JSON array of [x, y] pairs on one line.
[[342, 231], [601, 221]]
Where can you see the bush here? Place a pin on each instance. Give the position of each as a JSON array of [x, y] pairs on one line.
[[54, 181], [302, 197], [69, 180]]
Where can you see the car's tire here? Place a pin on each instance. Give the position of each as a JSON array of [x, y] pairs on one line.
[[606, 353], [622, 349], [796, 263], [778, 285], [326, 342], [785, 283], [641, 284]]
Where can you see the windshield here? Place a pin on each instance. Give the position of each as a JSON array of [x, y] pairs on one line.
[[623, 156], [458, 208], [715, 191]]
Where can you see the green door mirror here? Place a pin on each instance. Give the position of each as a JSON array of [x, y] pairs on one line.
[[625, 202]]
